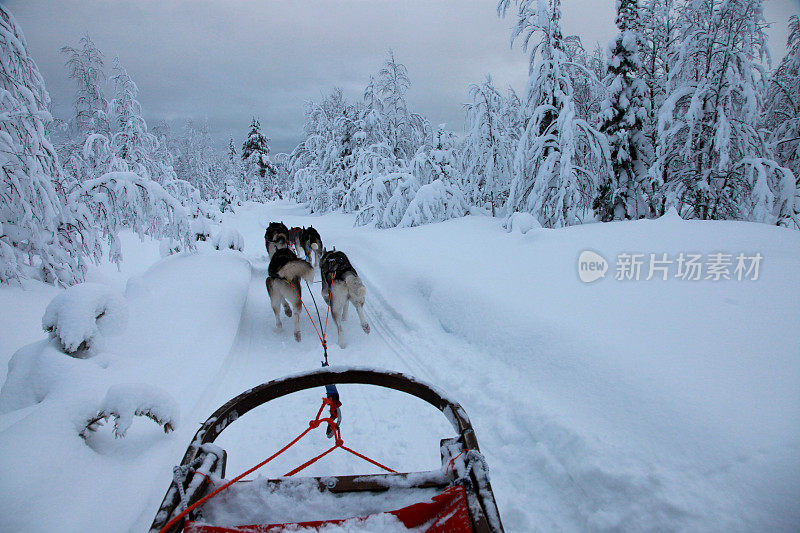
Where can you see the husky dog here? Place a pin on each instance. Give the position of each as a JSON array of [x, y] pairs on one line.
[[295, 236], [310, 241], [283, 285], [277, 236], [341, 286]]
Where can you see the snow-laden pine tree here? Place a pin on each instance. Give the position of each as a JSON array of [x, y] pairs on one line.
[[259, 172], [708, 139], [783, 115], [553, 175], [38, 238], [621, 191], [492, 132]]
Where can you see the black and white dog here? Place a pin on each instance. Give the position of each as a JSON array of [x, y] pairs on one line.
[[311, 243], [276, 237], [340, 287], [283, 285]]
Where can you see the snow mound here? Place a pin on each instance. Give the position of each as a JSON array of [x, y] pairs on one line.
[[169, 247], [123, 402], [201, 228], [434, 202], [671, 214], [521, 222], [82, 314], [229, 238]]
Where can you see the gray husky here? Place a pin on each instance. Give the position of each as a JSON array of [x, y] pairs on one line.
[[283, 285], [340, 287]]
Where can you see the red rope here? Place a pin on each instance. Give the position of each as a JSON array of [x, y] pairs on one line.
[[324, 331], [311, 425], [376, 463], [311, 461], [450, 463]]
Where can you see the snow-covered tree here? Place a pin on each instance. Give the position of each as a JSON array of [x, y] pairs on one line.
[[621, 191], [404, 131], [131, 144], [85, 65], [658, 37], [783, 115], [492, 132], [259, 172], [196, 160], [125, 200], [708, 138], [37, 237], [551, 177]]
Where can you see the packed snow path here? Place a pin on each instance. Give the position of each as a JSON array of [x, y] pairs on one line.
[[610, 406]]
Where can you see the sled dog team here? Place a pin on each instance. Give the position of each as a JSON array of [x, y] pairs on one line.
[[341, 285]]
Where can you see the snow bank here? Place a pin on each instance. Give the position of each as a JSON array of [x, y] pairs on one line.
[[81, 314], [229, 238], [181, 325]]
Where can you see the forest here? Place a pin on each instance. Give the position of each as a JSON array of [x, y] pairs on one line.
[[684, 110]]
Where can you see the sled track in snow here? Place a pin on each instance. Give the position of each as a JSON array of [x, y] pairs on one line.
[[388, 332]]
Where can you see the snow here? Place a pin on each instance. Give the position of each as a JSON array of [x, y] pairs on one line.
[[611, 405], [124, 401], [82, 314], [260, 502], [228, 239]]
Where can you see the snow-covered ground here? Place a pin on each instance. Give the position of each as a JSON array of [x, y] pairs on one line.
[[613, 405]]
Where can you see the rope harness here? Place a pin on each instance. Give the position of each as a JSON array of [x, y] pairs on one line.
[[333, 430]]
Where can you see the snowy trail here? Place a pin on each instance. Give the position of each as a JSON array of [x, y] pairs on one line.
[[581, 430]]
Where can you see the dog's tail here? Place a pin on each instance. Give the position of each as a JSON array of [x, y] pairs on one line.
[[297, 268], [355, 288]]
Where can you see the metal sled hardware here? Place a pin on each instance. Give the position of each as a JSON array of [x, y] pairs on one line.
[[456, 498]]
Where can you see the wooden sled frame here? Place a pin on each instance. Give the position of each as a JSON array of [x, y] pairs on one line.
[[462, 463]]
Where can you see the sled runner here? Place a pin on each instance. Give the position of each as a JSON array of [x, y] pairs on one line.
[[456, 498]]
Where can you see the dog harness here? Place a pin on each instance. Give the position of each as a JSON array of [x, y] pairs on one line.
[[334, 265]]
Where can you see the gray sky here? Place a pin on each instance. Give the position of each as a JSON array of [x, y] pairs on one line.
[[230, 60]]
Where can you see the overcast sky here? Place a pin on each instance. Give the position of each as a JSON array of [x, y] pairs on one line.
[[227, 61]]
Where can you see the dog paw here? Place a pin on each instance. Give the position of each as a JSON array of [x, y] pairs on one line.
[[297, 336], [365, 327], [342, 344], [278, 326]]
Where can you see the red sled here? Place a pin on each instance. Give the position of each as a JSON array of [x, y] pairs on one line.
[[457, 498]]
